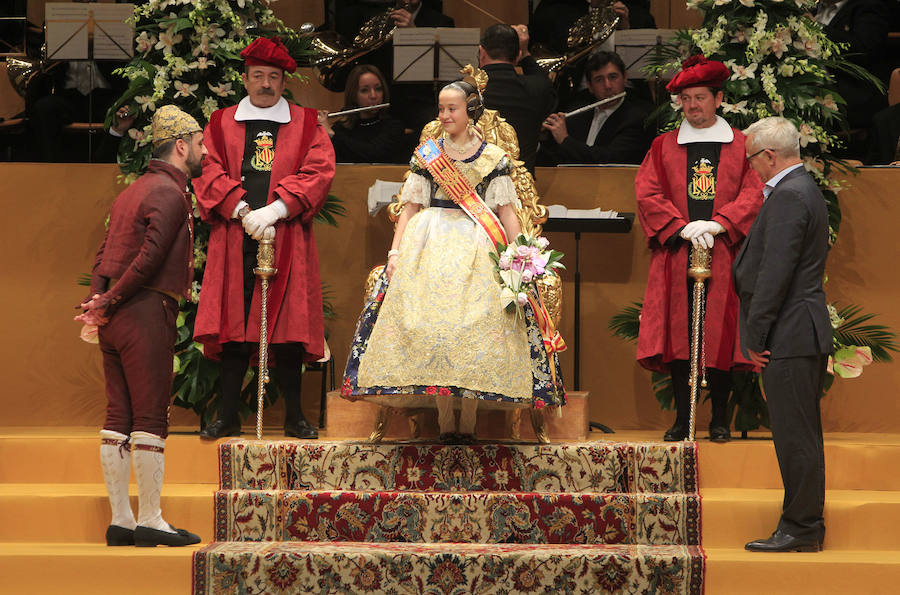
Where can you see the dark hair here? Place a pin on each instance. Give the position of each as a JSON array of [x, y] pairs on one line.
[[352, 89], [474, 103], [501, 42], [164, 149], [600, 59]]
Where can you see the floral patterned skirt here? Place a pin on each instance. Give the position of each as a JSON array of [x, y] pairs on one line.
[[440, 329]]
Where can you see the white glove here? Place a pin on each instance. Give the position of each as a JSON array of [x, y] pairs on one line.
[[255, 222], [268, 233], [705, 240], [697, 228]]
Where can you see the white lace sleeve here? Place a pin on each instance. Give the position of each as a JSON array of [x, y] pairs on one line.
[[416, 189], [501, 191]]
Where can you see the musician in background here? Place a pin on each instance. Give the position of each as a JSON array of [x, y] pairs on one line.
[[695, 187], [412, 103], [524, 100], [370, 136], [609, 133]]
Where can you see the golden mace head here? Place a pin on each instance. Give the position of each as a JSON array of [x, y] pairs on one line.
[[265, 258], [700, 262]]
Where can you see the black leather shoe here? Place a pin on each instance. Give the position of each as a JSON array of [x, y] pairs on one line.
[[719, 433], [782, 542], [116, 535], [220, 429], [301, 429], [676, 433], [465, 439], [147, 537], [448, 438]]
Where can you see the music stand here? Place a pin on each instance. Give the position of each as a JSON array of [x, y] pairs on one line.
[[72, 34], [433, 54]]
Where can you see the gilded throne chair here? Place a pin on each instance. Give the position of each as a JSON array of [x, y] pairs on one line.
[[531, 215]]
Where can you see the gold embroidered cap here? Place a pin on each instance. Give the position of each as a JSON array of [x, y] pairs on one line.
[[170, 122]]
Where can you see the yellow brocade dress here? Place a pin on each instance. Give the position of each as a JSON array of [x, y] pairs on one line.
[[439, 327]]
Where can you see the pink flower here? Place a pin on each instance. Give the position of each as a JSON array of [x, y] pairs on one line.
[[503, 263], [89, 334], [542, 242], [523, 251], [539, 263], [527, 275], [521, 299]]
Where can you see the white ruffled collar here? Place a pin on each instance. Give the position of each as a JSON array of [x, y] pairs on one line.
[[280, 112], [720, 132]]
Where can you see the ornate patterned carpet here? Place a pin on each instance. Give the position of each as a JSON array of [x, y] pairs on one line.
[[346, 517]]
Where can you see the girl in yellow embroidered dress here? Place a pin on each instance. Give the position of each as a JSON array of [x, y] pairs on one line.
[[438, 330]]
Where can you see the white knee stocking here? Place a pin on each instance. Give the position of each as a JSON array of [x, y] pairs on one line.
[[149, 468], [115, 458]]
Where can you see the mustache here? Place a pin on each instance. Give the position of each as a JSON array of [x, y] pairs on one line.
[[265, 91]]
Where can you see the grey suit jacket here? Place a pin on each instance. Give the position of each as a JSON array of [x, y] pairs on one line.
[[779, 271]]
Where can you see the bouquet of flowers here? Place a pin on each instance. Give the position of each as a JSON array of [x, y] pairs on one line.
[[519, 265]]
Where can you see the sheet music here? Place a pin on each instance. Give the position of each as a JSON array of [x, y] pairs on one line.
[[69, 26], [414, 52], [561, 212], [636, 45]]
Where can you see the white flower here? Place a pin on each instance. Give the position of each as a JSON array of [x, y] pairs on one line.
[[222, 89], [811, 47], [144, 43], [828, 102], [184, 89], [202, 63], [167, 40], [146, 102], [807, 134], [738, 108], [748, 3], [209, 106], [742, 73]]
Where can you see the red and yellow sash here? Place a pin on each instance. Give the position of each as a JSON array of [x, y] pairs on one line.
[[459, 190]]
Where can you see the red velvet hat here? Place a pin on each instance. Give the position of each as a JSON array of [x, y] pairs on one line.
[[268, 52], [697, 71]]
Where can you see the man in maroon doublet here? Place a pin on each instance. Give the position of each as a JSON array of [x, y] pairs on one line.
[[694, 187], [270, 165], [142, 268]]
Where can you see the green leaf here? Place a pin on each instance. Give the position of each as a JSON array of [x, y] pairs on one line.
[[626, 324]]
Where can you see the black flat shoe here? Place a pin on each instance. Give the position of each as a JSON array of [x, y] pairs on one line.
[[719, 433], [676, 433], [465, 439], [220, 429], [116, 535], [147, 537], [301, 429], [782, 542], [448, 438]]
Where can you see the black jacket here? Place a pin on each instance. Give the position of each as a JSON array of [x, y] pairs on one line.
[[622, 138], [779, 270], [523, 100]]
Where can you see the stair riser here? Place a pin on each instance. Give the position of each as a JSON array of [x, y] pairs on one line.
[[849, 525], [280, 568], [83, 519], [591, 467], [752, 464], [464, 518]]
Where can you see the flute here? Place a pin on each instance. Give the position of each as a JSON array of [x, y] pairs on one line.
[[593, 105], [358, 109]]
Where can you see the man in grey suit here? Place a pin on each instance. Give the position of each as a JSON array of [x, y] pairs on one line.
[[784, 325]]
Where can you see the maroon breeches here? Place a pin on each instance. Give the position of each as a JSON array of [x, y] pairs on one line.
[[138, 344]]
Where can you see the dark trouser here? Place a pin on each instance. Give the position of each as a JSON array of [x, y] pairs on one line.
[[792, 388], [138, 345], [719, 382], [236, 359]]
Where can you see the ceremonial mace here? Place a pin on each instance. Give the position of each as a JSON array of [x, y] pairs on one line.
[[265, 269], [699, 271]]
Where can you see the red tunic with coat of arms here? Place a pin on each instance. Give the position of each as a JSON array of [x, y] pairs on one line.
[[661, 189]]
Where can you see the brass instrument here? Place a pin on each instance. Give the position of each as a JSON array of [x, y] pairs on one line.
[[585, 35], [699, 270], [24, 72], [334, 59]]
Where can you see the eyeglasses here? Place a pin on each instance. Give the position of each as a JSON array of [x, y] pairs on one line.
[[749, 157]]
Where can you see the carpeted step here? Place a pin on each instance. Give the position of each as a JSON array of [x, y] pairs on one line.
[[469, 517], [854, 519], [611, 467], [70, 512], [308, 567]]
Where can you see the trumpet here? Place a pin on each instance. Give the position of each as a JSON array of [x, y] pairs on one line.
[[357, 110]]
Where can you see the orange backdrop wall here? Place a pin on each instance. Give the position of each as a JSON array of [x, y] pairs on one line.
[[53, 221]]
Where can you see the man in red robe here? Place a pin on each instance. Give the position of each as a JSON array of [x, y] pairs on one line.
[[695, 188], [270, 167]]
